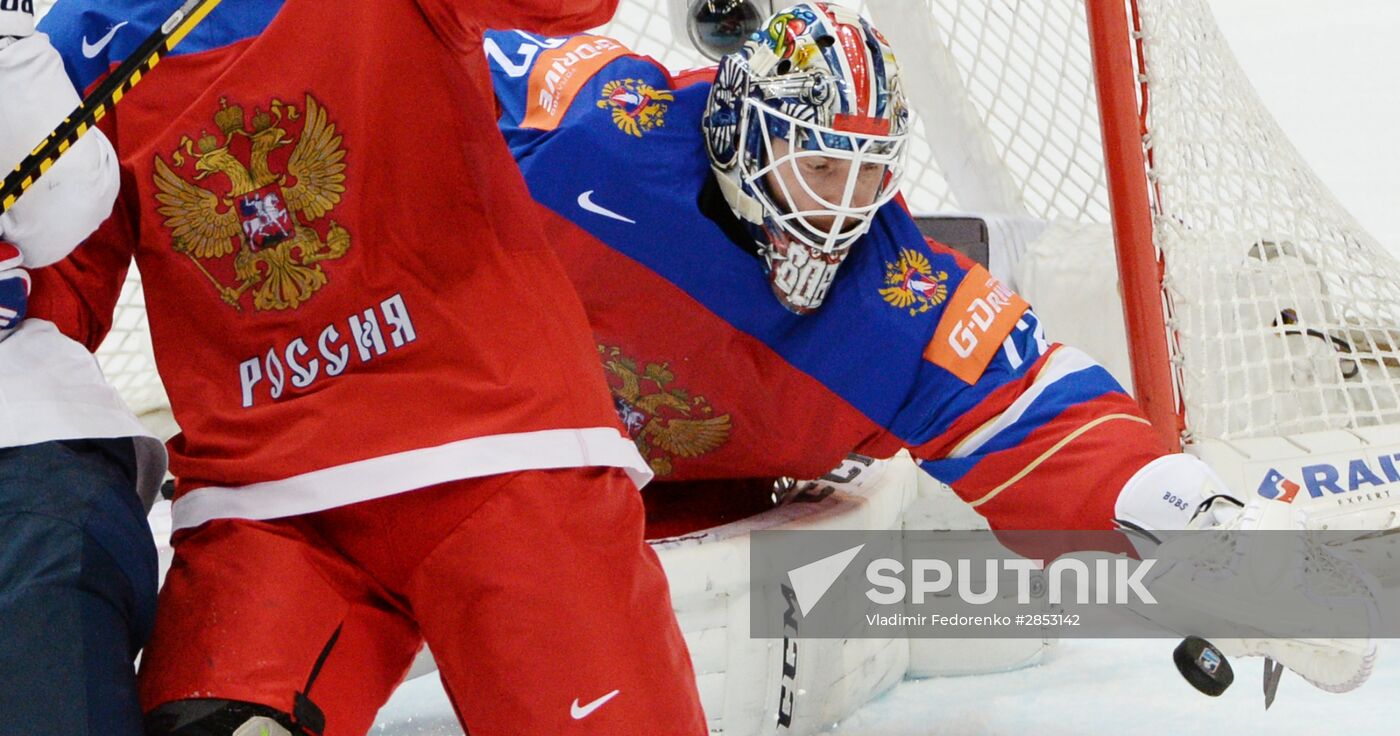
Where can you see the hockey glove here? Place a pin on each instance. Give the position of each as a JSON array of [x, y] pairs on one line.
[[1232, 576], [14, 289], [1215, 579]]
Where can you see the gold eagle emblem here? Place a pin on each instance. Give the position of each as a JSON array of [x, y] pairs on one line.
[[262, 203], [911, 283], [663, 420], [637, 107]]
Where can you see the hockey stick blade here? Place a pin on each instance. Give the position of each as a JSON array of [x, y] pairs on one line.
[[1273, 672], [95, 106]]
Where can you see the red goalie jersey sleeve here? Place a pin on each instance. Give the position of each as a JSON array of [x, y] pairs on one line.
[[347, 291]]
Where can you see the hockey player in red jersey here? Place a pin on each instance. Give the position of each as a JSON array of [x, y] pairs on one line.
[[763, 306], [394, 427]]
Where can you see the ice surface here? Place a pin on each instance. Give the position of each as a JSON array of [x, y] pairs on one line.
[[1112, 687]]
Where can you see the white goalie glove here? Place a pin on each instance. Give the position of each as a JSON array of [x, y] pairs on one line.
[[1229, 578], [1224, 581]]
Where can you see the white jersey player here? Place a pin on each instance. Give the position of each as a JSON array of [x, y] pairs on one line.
[[78, 569]]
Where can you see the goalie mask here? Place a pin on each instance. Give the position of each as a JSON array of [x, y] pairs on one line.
[[806, 129]]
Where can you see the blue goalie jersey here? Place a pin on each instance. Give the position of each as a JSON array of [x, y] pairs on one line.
[[915, 347]]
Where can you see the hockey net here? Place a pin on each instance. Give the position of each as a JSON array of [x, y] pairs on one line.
[[1277, 308]]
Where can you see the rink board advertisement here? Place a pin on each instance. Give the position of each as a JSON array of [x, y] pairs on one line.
[[1356, 487], [976, 584]]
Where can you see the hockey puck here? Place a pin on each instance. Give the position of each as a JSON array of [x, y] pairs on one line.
[[1203, 665]]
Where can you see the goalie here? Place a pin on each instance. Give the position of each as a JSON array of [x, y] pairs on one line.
[[764, 305]]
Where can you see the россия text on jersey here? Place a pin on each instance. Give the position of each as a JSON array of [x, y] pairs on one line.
[[363, 331]]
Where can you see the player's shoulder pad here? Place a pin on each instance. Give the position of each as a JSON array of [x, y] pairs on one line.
[[92, 36], [958, 311], [538, 80], [979, 314]]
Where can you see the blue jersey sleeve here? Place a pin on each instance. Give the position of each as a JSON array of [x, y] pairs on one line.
[[546, 83], [1030, 433], [93, 36], [90, 37]]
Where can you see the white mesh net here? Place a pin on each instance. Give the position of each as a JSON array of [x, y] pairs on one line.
[[1283, 305], [1280, 302], [128, 361]]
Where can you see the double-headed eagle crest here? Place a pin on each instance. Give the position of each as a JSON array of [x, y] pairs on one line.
[[663, 421], [637, 107], [263, 204], [911, 283]]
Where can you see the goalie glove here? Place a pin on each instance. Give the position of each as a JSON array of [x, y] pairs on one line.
[[1228, 578], [14, 289], [1215, 581]]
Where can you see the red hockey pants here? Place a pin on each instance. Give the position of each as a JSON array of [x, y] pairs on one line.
[[545, 610]]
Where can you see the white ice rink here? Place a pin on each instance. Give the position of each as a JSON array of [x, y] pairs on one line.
[[1120, 688], [1328, 70]]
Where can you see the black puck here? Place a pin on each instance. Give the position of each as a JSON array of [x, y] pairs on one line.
[[1203, 665]]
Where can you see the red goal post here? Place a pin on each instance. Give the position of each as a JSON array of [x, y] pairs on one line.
[[1122, 95]]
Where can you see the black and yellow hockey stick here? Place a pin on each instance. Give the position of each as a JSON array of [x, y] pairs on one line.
[[94, 107]]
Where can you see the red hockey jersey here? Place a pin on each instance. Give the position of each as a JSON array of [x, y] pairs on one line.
[[346, 290]]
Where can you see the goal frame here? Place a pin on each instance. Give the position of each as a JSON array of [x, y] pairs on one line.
[[1119, 79]]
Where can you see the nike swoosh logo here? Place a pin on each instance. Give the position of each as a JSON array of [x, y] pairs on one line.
[[585, 201], [91, 50], [579, 712]]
